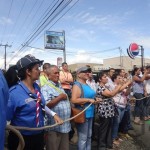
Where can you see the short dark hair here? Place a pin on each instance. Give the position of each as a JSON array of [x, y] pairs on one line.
[[114, 76], [111, 69], [45, 65], [64, 63], [11, 76], [119, 71], [147, 67], [101, 74], [134, 70]]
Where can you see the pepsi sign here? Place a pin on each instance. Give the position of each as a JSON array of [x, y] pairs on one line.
[[133, 50]]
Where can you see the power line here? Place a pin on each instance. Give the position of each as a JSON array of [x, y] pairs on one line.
[[49, 9], [36, 33], [6, 23], [20, 47], [33, 17], [60, 17], [39, 26], [27, 43], [26, 18], [18, 17]]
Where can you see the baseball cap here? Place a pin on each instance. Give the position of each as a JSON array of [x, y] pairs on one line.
[[83, 69], [27, 60]]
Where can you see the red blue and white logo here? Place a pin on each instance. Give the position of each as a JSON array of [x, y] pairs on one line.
[[133, 50]]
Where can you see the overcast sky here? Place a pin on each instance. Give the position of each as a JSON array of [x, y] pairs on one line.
[[94, 29]]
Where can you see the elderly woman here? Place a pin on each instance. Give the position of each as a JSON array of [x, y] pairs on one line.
[[81, 88], [26, 103]]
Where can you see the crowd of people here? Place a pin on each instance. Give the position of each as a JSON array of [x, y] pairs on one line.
[[38, 98]]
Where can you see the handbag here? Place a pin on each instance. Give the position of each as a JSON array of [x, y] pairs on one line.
[[75, 111], [80, 118]]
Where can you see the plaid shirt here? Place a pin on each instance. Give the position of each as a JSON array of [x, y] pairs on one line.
[[62, 108]]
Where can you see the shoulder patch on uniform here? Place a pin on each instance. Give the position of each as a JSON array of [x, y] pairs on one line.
[[12, 88]]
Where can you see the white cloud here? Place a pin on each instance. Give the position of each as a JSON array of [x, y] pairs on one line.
[[89, 18], [83, 57], [78, 34], [4, 21]]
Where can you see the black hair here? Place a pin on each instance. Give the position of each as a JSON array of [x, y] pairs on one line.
[[101, 74], [134, 70], [114, 76], [13, 75], [111, 69], [147, 67], [45, 65], [119, 71], [64, 63], [22, 72]]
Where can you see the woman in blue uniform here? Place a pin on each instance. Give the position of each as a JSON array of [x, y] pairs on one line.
[[25, 103], [4, 95]]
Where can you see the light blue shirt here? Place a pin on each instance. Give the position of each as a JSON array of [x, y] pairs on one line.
[[88, 92], [62, 108]]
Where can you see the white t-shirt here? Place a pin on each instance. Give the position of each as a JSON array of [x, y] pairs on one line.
[[110, 85]]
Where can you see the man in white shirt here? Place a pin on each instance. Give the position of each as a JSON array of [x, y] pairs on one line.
[[91, 81], [110, 84]]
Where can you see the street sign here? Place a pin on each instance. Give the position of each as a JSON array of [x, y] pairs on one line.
[[54, 40]]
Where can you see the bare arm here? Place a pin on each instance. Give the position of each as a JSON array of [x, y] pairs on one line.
[[137, 79], [65, 79], [108, 93], [76, 93], [56, 100], [125, 85]]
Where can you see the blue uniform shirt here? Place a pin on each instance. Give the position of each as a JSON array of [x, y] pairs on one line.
[[4, 95], [22, 108]]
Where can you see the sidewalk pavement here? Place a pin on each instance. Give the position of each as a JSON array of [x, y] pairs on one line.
[[127, 144]]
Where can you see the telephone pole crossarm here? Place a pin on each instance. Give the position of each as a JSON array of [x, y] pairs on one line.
[[5, 45]]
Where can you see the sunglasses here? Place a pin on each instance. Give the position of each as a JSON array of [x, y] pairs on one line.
[[86, 71]]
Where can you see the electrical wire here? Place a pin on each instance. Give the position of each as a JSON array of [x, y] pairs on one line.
[[26, 18], [22, 46], [33, 17], [49, 9], [18, 17], [27, 43], [5, 27]]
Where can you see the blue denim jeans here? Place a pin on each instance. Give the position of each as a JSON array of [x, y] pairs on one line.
[[126, 121], [84, 131], [116, 122]]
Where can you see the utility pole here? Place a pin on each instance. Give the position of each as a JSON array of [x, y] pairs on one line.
[[120, 50], [6, 45], [64, 51]]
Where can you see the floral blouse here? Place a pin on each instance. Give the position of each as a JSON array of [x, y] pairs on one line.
[[106, 107]]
